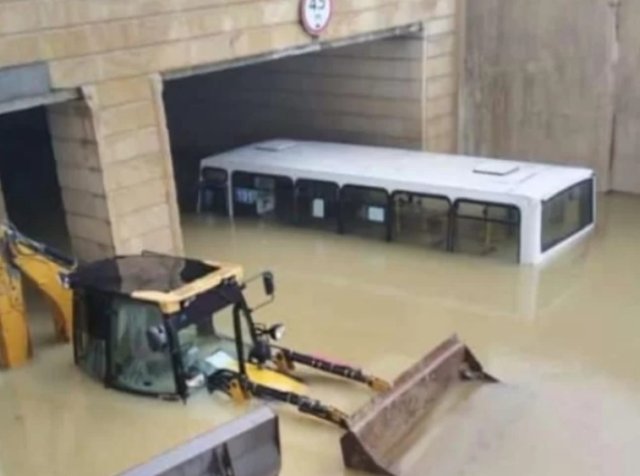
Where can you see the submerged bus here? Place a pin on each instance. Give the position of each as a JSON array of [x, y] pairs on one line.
[[524, 211]]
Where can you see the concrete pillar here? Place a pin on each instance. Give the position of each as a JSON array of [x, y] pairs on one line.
[[440, 65], [115, 171]]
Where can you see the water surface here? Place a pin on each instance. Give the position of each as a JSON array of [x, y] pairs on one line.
[[565, 340]]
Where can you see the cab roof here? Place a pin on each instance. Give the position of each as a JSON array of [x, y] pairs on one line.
[[166, 280]]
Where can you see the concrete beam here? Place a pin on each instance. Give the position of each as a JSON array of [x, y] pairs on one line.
[[23, 87], [296, 51]]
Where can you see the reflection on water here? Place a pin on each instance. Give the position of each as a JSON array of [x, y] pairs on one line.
[[565, 340]]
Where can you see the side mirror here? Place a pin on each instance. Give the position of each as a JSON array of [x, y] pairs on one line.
[[269, 284]]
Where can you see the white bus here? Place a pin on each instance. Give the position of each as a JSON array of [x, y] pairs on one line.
[[524, 210]]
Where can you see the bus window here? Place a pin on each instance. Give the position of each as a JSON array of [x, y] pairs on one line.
[[420, 219], [364, 211], [212, 191], [486, 228], [316, 204], [566, 214], [264, 196]]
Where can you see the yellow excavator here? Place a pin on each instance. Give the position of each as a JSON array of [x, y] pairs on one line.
[[167, 326]]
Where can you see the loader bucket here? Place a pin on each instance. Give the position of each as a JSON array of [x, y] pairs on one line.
[[377, 437], [246, 446]]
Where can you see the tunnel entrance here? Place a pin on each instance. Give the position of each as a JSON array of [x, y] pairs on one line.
[[30, 186], [365, 93]]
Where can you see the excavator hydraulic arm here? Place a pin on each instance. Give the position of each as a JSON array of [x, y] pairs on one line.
[[15, 341], [42, 266]]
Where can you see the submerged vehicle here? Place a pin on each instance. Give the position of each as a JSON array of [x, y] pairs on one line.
[[168, 326]]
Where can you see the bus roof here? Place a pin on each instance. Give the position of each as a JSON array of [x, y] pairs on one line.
[[400, 169]]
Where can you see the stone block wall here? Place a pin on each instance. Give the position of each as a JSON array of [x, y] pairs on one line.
[[367, 93], [114, 170], [79, 169], [440, 76], [91, 41]]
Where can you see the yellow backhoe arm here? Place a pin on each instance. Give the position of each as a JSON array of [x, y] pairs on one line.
[[43, 266], [15, 341]]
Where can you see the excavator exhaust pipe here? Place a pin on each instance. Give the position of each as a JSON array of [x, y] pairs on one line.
[[377, 438]]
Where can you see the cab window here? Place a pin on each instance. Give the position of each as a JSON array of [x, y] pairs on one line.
[[91, 326], [209, 344], [134, 365]]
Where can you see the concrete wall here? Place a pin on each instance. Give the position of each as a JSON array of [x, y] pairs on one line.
[[368, 93], [564, 88], [88, 41], [390, 92], [539, 81], [626, 158], [394, 92]]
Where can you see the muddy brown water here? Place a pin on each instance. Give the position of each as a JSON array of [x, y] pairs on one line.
[[564, 340]]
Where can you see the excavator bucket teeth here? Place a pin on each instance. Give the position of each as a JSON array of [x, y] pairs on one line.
[[378, 435]]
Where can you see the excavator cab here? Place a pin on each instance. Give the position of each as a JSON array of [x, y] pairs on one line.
[[109, 343], [139, 321], [165, 326]]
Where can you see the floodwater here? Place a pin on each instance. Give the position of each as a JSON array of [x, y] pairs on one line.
[[564, 341]]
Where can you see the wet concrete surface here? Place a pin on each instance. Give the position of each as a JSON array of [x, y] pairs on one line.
[[564, 340]]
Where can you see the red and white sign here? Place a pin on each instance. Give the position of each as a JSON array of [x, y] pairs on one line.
[[316, 15]]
